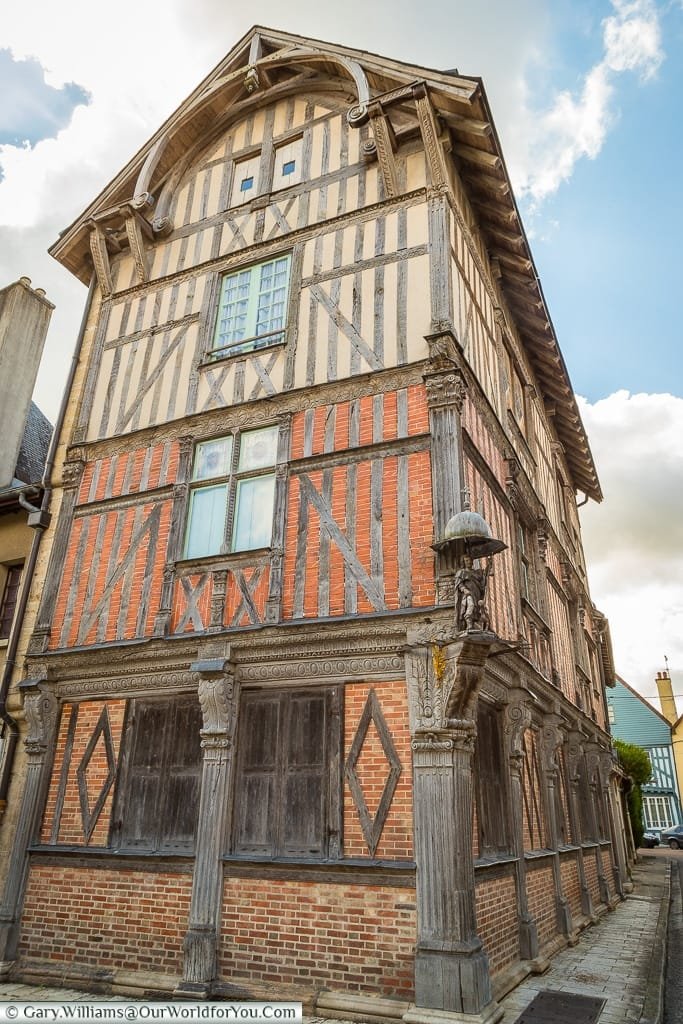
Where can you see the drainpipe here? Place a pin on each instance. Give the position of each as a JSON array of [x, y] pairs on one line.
[[39, 519]]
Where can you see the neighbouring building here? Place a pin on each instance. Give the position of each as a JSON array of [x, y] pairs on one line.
[[633, 719], [667, 701], [283, 736], [24, 441]]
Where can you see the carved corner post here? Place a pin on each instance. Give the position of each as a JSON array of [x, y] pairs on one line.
[[72, 473], [598, 812], [607, 771], [218, 695], [574, 752], [517, 721], [451, 968], [552, 739], [41, 713], [446, 391], [277, 544]]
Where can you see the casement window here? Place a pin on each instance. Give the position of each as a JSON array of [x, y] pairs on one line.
[[287, 169], [252, 308], [232, 493], [245, 180], [490, 783], [10, 595], [287, 779], [157, 798]]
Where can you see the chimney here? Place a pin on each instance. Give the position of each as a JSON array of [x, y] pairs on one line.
[[24, 317], [666, 697]]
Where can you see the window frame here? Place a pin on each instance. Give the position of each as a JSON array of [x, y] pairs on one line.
[[217, 349], [492, 799], [8, 602], [231, 481]]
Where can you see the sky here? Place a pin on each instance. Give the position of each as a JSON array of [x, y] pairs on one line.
[[586, 96]]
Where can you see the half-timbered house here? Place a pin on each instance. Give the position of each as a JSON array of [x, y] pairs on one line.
[[262, 756]]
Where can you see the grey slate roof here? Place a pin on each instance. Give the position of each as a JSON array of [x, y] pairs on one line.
[[34, 447]]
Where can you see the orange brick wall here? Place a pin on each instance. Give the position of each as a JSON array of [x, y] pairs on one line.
[[106, 919], [497, 921], [421, 537], [541, 897], [396, 841], [571, 884], [106, 556], [123, 474], [71, 829], [304, 937], [608, 867]]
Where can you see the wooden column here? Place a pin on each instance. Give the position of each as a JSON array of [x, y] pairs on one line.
[[606, 768], [218, 699], [574, 754], [40, 710], [600, 825], [452, 980], [552, 739], [517, 721]]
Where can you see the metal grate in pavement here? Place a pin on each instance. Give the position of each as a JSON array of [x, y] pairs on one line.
[[561, 1008]]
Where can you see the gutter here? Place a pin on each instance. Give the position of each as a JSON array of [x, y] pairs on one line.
[[39, 520]]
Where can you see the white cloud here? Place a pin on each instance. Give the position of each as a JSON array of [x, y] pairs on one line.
[[634, 540], [576, 125]]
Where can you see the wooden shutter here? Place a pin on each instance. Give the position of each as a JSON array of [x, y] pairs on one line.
[[182, 776], [157, 800], [287, 774], [491, 790], [256, 803]]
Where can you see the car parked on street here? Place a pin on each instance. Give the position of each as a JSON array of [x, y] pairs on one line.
[[673, 837], [650, 840]]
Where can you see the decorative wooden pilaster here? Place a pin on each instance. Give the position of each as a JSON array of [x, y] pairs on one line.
[[517, 721], [606, 770], [452, 980], [218, 699], [446, 390], [552, 739], [40, 710], [599, 815], [574, 753]]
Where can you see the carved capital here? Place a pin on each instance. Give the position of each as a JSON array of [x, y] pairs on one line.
[[517, 721], [542, 537], [216, 689], [574, 754], [72, 470], [446, 389], [443, 346], [552, 738], [40, 710]]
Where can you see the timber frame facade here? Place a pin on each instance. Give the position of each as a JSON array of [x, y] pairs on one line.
[[258, 756]]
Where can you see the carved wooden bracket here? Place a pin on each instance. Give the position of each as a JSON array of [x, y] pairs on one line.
[[430, 135]]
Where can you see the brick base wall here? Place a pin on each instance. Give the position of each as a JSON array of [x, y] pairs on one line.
[[591, 870], [106, 919], [571, 884], [497, 921], [300, 937], [541, 898]]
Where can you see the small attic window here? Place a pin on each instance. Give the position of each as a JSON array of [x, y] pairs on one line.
[[245, 177], [288, 163], [246, 184]]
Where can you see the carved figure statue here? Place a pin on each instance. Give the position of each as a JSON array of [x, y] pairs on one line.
[[470, 591]]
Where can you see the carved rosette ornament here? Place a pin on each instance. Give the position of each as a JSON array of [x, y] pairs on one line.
[[358, 115]]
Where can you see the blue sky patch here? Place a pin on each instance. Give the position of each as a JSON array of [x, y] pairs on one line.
[[32, 110]]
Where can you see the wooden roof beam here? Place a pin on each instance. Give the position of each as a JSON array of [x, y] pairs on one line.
[[478, 157]]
